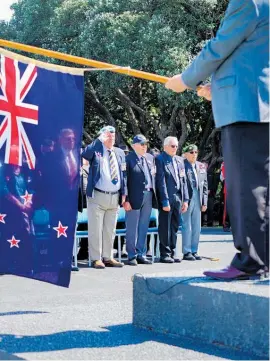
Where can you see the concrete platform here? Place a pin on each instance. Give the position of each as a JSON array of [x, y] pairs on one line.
[[92, 320], [233, 314]]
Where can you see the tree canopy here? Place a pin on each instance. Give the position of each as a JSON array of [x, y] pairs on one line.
[[152, 35]]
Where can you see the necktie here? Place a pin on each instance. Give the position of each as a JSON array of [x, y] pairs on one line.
[[113, 170], [176, 173], [144, 170], [194, 181], [72, 166]]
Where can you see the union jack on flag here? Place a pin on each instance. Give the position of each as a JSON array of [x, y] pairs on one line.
[[15, 85], [39, 104]]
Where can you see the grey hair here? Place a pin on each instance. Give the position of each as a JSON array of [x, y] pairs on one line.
[[65, 130], [168, 140]]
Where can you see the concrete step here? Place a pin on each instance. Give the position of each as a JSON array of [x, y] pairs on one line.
[[233, 314]]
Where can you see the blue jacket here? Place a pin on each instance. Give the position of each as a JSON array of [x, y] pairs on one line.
[[238, 60], [93, 153], [202, 181], [136, 179], [165, 180]]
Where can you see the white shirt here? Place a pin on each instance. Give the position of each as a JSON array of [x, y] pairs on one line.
[[105, 181]]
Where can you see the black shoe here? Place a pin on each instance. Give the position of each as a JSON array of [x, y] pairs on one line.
[[166, 259], [196, 256], [189, 257], [142, 260], [177, 260], [132, 262], [123, 255]]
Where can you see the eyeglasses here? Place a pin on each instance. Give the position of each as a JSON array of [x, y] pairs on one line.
[[174, 146], [193, 152], [143, 144], [69, 138]]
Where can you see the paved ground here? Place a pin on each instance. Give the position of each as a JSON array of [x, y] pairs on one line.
[[93, 318]]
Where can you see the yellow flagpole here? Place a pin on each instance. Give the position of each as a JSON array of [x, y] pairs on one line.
[[83, 61]]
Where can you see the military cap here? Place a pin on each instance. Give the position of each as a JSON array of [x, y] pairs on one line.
[[190, 148]]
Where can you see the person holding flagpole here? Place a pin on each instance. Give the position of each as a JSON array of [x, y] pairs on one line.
[[238, 61]]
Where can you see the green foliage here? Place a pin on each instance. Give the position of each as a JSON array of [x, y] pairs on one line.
[[152, 35]]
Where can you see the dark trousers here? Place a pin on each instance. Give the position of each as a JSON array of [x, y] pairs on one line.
[[226, 219], [208, 216], [246, 157], [168, 227]]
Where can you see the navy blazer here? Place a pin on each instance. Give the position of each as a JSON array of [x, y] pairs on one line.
[[136, 179], [165, 180], [94, 153], [202, 180]]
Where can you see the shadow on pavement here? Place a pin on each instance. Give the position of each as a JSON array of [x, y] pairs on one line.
[[21, 313], [8, 356], [108, 337], [214, 230]]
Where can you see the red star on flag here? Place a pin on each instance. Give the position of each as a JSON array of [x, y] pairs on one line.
[[2, 216], [14, 242], [61, 230], [27, 198]]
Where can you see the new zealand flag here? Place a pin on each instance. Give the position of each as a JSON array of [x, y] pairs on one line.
[[41, 119]]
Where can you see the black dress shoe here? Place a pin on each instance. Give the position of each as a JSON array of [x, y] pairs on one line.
[[197, 257], [123, 255], [177, 260], [132, 262], [142, 260], [189, 257], [166, 260]]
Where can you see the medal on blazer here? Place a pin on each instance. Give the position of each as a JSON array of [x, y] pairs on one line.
[[202, 168], [153, 170], [182, 173], [99, 156]]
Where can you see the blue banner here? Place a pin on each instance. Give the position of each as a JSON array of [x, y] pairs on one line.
[[41, 120]]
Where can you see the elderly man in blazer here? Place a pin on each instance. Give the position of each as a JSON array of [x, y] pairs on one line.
[[105, 191], [198, 195], [140, 198], [172, 194], [60, 177], [238, 60]]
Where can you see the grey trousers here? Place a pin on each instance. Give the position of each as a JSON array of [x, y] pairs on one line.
[[137, 223], [246, 157], [191, 225], [102, 218]]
